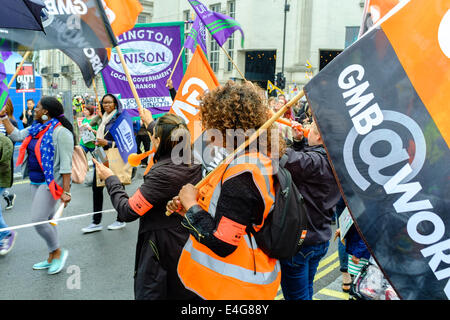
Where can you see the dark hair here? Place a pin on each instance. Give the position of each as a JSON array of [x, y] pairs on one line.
[[90, 109], [108, 95], [56, 110], [171, 130], [9, 108], [30, 99]]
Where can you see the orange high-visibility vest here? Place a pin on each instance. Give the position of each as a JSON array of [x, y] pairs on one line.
[[247, 273]]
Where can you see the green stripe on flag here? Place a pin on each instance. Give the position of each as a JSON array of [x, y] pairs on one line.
[[3, 97], [224, 27]]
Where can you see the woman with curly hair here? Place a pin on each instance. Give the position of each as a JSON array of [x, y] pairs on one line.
[[221, 259]]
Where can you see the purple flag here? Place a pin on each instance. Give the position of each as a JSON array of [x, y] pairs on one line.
[[219, 25], [4, 92], [150, 52], [197, 35]]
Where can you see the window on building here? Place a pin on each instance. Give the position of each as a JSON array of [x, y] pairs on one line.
[[143, 18], [326, 56], [231, 13], [214, 47], [187, 28], [351, 35]]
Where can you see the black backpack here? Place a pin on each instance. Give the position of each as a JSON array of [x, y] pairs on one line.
[[284, 229]]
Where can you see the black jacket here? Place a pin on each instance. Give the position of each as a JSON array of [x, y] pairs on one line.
[[313, 176], [161, 238], [161, 184]]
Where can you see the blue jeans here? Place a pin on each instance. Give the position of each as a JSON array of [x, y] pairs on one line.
[[297, 273], [2, 221], [343, 256]]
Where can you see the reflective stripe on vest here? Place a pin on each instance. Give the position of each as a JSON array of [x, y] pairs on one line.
[[247, 273]]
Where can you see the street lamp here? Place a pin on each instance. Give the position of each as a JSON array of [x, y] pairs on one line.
[[281, 79], [286, 9]]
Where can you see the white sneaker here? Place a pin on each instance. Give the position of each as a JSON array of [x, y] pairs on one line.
[[92, 228], [116, 225]]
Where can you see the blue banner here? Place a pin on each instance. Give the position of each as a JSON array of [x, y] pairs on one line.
[[123, 134]]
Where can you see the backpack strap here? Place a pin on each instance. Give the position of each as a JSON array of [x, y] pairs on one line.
[[283, 161]]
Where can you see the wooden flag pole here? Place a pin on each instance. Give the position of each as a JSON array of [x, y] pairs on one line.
[[25, 56], [96, 93], [176, 63], [243, 77], [252, 138], [130, 80]]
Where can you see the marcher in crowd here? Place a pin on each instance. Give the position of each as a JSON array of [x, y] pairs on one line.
[[27, 117], [240, 195], [343, 255], [312, 174], [160, 238], [89, 115], [142, 138], [49, 171], [173, 92], [111, 109], [7, 193], [7, 238], [286, 131]]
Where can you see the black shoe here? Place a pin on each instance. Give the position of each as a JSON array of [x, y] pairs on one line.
[[10, 201]]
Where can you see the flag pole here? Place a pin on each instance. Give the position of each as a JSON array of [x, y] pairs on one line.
[[233, 63], [130, 81], [96, 93], [25, 56], [252, 138], [176, 63]]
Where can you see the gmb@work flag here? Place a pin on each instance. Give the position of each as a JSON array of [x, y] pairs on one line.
[[382, 107], [67, 24], [122, 15], [123, 134]]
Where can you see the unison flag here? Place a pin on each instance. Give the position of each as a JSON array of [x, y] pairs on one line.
[[150, 52], [197, 35], [123, 134], [219, 25], [382, 107]]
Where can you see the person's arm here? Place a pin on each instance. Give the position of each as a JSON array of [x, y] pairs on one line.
[[239, 205], [302, 165], [9, 127], [66, 196], [65, 145], [173, 93], [153, 192]]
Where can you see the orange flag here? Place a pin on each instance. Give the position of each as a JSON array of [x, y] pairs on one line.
[[374, 10], [122, 14], [198, 78]]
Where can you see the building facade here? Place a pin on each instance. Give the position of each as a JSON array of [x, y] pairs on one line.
[[316, 31], [295, 37]]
